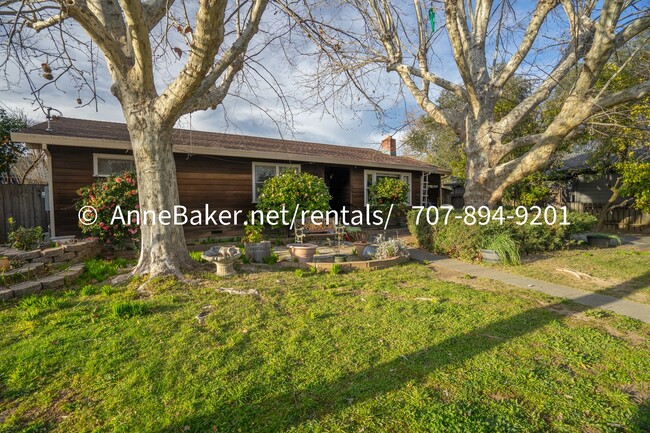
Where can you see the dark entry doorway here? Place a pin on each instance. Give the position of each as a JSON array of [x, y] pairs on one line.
[[337, 180]]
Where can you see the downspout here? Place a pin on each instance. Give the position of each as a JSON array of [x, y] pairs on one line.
[[50, 188]]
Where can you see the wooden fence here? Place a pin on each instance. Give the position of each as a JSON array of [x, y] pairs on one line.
[[621, 219], [25, 203]]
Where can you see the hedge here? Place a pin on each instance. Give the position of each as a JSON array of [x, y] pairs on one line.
[[456, 239]]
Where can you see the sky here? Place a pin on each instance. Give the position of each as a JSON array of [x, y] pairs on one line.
[[352, 126]]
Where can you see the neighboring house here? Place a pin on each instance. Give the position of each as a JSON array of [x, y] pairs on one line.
[[581, 188], [224, 171]]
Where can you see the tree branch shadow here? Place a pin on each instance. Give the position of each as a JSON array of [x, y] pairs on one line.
[[283, 411]]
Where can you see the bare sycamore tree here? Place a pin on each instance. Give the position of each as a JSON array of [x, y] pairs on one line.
[[491, 43], [136, 39]]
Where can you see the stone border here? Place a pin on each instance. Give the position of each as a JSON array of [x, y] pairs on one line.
[[55, 281], [366, 265], [66, 254]]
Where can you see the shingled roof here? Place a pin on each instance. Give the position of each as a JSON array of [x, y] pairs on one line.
[[91, 133]]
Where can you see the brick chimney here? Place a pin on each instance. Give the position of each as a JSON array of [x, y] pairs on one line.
[[389, 146]]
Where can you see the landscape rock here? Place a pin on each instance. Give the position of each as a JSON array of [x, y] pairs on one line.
[[52, 252], [74, 272], [26, 288], [78, 246], [53, 282], [64, 257], [26, 255], [6, 294]]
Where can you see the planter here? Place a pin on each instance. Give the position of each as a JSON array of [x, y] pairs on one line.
[[598, 241], [490, 256], [359, 247], [5, 264], [340, 258], [291, 247], [304, 252], [258, 251], [224, 258]]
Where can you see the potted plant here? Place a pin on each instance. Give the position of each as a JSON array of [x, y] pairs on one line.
[[5, 263], [358, 238], [387, 192], [256, 248], [501, 248]]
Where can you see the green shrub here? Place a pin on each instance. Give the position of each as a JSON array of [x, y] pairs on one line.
[[291, 189], [580, 222], [388, 191], [104, 196], [253, 233], [456, 239], [336, 269], [421, 231], [23, 238]]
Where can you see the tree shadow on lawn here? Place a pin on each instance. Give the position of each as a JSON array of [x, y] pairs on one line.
[[292, 409]]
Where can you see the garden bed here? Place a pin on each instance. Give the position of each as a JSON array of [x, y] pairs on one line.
[[368, 265]]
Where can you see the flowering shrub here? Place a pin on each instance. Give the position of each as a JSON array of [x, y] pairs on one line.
[[389, 248], [387, 191], [104, 196], [290, 189]]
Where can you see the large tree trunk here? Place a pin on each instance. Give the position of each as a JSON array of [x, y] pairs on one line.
[[163, 249], [481, 188]]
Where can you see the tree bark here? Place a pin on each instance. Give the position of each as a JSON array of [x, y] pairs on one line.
[[163, 249]]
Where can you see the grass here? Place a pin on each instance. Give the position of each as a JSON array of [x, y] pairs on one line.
[[395, 350], [623, 272]]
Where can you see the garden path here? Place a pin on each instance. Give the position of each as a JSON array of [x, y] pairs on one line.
[[624, 307]]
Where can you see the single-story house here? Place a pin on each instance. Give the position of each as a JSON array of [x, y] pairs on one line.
[[224, 171]]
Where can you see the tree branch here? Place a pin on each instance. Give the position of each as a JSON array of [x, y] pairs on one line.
[[542, 10], [138, 33]]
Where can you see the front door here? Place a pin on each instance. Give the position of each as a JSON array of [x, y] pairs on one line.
[[337, 180]]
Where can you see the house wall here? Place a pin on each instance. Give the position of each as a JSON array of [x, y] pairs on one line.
[[221, 182], [590, 190]]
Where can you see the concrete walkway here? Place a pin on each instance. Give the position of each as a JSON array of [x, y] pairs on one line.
[[631, 309]]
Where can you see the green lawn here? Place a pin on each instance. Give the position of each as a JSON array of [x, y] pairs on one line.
[[389, 351], [623, 272]]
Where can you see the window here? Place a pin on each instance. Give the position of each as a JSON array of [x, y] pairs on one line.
[[106, 164], [374, 176], [263, 171]]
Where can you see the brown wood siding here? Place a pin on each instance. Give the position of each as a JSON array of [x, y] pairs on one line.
[[220, 182]]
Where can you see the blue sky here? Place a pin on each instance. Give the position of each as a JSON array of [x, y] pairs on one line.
[[355, 126]]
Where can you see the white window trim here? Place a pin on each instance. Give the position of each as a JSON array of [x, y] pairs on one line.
[[270, 164], [97, 156], [374, 174]]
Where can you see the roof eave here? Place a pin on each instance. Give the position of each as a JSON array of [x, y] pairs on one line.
[[37, 140]]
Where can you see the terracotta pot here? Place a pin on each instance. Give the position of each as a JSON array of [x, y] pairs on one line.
[[291, 247], [5, 264], [359, 247], [304, 252]]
